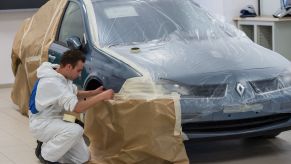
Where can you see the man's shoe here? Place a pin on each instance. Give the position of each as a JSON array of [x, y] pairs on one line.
[[38, 148], [42, 160]]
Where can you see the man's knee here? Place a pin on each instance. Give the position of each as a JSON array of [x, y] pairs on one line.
[[86, 156], [79, 153], [76, 131]]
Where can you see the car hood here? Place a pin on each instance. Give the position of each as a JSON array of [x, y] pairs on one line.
[[184, 60]]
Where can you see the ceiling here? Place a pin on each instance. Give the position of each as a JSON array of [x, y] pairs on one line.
[[21, 4]]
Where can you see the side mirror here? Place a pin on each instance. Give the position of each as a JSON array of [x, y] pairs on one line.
[[74, 43]]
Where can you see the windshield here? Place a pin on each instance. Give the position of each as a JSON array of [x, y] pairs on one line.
[[127, 22]]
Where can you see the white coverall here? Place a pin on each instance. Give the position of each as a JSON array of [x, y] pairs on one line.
[[62, 141]]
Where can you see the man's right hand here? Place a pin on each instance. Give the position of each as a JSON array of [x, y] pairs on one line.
[[107, 95], [98, 90], [82, 106]]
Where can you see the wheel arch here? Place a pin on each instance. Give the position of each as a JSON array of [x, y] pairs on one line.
[[92, 83]]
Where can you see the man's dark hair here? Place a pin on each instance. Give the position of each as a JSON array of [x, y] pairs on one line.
[[72, 57]]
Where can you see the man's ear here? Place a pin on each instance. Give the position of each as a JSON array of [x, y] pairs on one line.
[[69, 67]]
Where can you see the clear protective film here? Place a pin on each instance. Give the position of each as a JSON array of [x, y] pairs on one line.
[[215, 68]]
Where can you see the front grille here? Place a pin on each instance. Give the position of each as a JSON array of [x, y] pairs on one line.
[[263, 86], [233, 125], [205, 91]]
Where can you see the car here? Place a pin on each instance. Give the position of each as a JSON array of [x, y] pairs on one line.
[[229, 87]]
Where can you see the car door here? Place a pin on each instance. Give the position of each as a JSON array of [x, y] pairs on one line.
[[72, 24]]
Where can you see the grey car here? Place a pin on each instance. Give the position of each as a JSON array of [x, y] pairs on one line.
[[229, 87]]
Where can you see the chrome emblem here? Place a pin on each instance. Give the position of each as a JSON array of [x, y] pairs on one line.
[[240, 89]]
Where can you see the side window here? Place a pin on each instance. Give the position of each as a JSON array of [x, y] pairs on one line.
[[72, 23]]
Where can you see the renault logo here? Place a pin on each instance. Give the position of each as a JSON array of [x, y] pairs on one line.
[[240, 89]]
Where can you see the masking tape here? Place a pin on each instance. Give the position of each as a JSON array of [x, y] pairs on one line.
[[69, 118]]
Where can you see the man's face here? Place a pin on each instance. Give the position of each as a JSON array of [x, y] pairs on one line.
[[74, 73]]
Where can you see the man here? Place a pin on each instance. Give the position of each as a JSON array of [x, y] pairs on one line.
[[54, 94]]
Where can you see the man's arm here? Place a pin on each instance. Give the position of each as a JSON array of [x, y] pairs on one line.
[[86, 94], [82, 106]]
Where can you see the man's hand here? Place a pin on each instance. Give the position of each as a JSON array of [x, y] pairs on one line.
[[107, 95], [82, 106], [87, 94], [98, 90]]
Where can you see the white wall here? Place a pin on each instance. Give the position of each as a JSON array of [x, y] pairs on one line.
[[232, 8], [9, 24], [269, 7], [229, 9]]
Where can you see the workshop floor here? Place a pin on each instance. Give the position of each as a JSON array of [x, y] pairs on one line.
[[17, 145]]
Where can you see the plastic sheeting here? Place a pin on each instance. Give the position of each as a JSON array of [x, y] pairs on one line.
[[183, 49], [30, 49]]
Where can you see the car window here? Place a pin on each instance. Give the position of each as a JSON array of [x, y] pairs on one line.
[[129, 22], [72, 24]]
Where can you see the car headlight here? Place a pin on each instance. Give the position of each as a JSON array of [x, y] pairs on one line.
[[198, 91], [170, 87], [286, 80], [268, 85], [141, 85]]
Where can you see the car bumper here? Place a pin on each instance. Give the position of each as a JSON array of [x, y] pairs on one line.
[[244, 128]]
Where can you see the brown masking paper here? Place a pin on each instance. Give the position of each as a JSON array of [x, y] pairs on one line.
[[135, 131], [30, 49]]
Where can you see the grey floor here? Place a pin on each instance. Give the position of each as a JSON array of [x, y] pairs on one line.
[[273, 151], [17, 145]]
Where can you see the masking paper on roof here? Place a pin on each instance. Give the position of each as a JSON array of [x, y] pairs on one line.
[[30, 49]]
